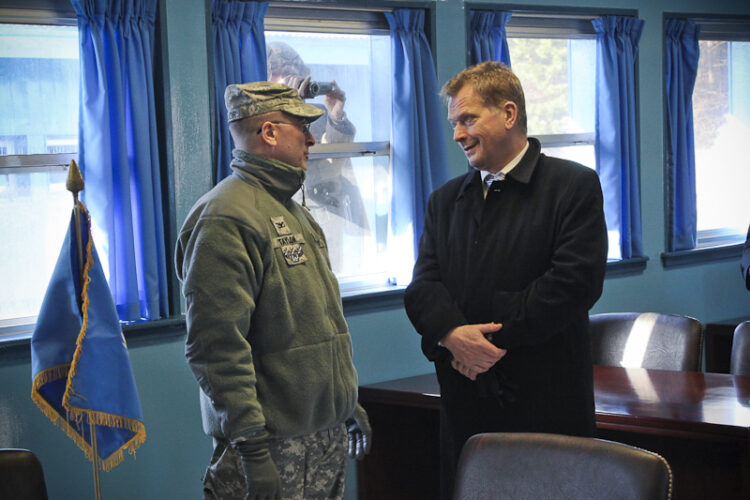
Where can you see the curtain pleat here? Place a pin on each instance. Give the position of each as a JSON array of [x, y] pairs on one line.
[[239, 57], [682, 52], [418, 143], [118, 151], [616, 135], [488, 37]]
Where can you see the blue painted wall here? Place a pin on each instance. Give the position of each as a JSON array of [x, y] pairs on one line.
[[171, 462]]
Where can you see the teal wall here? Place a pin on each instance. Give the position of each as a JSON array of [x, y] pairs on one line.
[[171, 461]]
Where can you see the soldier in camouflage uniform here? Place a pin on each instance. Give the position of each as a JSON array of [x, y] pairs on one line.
[[266, 336]]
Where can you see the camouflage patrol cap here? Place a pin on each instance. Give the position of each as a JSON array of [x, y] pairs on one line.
[[252, 99]]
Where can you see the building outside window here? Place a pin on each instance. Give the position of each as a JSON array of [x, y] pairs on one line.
[[39, 88]]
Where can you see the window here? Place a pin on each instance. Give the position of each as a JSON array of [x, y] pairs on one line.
[[38, 138], [555, 59], [721, 126], [349, 173]]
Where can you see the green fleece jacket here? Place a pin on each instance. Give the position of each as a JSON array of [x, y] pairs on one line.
[[266, 336]]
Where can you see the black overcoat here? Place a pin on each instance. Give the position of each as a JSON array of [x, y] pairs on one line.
[[531, 256]]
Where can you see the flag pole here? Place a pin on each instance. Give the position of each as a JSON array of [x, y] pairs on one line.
[[74, 184]]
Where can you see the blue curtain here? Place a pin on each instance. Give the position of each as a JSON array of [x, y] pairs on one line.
[[681, 38], [418, 145], [239, 57], [118, 151], [615, 130], [488, 40]]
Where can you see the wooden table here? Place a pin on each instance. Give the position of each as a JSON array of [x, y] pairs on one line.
[[700, 422]]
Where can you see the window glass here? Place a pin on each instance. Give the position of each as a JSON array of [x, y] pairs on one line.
[[347, 185], [558, 78], [558, 74], [355, 219], [35, 210], [721, 124], [38, 89], [360, 66], [39, 102], [583, 154]]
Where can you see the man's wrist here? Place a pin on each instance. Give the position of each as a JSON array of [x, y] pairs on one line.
[[443, 340]]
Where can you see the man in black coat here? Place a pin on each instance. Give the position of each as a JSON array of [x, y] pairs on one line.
[[511, 259]]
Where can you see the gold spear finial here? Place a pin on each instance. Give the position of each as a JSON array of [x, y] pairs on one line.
[[74, 183]]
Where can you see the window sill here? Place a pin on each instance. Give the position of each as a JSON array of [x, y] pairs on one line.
[[373, 299], [625, 266], [700, 255], [16, 347], [151, 332]]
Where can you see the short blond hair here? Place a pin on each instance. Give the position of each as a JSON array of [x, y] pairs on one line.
[[495, 83]]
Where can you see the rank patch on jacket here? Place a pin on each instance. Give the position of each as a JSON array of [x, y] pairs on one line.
[[291, 248], [280, 225]]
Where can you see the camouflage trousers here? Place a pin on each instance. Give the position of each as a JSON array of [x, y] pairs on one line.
[[310, 466]]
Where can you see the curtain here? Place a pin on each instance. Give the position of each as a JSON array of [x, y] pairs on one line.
[[239, 57], [488, 40], [615, 130], [118, 151], [682, 51], [418, 144]]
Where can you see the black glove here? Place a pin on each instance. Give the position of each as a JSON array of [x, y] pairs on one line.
[[359, 432], [261, 476]]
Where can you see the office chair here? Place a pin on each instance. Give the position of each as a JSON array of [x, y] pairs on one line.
[[550, 466], [646, 340], [740, 358], [21, 475]]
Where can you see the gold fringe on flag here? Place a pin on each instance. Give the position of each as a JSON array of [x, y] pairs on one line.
[[69, 370]]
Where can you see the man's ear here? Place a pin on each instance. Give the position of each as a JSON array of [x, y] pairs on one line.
[[511, 114], [269, 134]]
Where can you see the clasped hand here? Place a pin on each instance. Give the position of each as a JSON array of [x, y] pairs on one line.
[[472, 352]]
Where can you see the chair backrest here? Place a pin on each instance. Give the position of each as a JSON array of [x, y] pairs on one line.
[[21, 475], [740, 359], [528, 465], [646, 340]]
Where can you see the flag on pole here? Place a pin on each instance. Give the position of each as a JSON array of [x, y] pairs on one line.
[[81, 371]]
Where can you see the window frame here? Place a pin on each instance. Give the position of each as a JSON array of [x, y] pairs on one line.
[[713, 244], [292, 17], [340, 19], [35, 12], [54, 12], [723, 30], [561, 26], [22, 326], [563, 23]]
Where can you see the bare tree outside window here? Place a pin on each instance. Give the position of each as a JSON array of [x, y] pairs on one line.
[[721, 125]]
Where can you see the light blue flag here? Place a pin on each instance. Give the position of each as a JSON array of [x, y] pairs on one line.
[[79, 360]]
